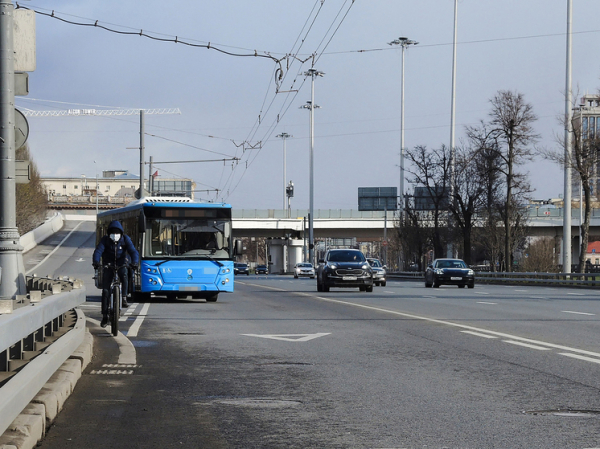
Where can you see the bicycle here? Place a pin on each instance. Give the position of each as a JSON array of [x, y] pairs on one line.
[[114, 304]]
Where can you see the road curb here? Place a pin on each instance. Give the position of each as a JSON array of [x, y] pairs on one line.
[[30, 426]]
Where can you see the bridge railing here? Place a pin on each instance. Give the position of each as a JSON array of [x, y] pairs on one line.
[[566, 279], [38, 332]]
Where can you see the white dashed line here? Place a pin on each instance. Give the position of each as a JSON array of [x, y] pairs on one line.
[[526, 345], [485, 302], [576, 294], [580, 357], [478, 334], [578, 313]]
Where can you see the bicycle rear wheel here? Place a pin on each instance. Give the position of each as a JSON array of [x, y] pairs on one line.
[[116, 306]]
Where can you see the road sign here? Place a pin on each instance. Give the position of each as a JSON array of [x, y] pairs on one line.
[[21, 129]]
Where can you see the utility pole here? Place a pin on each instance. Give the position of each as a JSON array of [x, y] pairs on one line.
[[12, 274], [450, 249], [568, 119], [142, 192], [284, 136], [404, 42], [150, 179], [311, 106]]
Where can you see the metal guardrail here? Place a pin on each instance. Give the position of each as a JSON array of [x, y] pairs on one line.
[[38, 332], [567, 279]]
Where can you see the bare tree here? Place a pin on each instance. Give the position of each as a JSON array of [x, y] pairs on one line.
[[510, 127], [583, 161], [431, 170], [31, 198]]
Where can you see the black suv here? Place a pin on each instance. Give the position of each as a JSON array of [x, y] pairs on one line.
[[344, 268], [241, 268], [261, 269]]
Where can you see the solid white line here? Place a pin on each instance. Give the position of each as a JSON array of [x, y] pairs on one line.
[[135, 327], [55, 249], [580, 357], [527, 345], [127, 355], [478, 334], [578, 313]]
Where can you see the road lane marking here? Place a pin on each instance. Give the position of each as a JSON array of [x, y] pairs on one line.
[[578, 313], [478, 334], [451, 324], [447, 323], [482, 293], [55, 249], [580, 357], [485, 302], [135, 327], [127, 355], [526, 345], [290, 337], [576, 294]]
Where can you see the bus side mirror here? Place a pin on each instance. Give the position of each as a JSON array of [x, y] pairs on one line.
[[239, 249], [142, 222]]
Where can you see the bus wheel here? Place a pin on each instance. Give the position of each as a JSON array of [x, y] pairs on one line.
[[212, 298]]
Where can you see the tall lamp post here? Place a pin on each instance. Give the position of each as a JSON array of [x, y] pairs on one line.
[[450, 249], [404, 42], [313, 73], [284, 136], [568, 125]]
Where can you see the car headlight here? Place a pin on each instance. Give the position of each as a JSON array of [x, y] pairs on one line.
[[439, 271], [333, 266], [470, 273], [365, 267]]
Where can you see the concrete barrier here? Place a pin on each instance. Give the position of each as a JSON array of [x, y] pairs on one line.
[[29, 427], [41, 233]]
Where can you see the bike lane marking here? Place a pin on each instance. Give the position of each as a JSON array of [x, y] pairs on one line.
[[135, 327], [127, 354]]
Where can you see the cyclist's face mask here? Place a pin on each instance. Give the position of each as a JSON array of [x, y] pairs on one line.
[[115, 237]]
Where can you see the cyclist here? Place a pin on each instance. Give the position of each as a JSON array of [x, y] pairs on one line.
[[114, 248]]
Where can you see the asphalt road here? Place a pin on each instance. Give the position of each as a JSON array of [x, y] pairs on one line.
[[278, 365]]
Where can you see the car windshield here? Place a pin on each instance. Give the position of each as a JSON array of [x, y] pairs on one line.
[[346, 256], [450, 264], [304, 265], [374, 262]]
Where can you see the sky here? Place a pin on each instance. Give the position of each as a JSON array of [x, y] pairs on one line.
[[233, 109]]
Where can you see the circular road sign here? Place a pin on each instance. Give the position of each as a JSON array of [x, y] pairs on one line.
[[21, 129]]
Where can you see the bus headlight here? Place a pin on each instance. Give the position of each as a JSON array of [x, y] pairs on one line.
[[224, 281], [225, 271]]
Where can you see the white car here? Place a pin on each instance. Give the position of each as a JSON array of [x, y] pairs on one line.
[[304, 269]]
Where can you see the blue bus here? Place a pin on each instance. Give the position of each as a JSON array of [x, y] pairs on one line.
[[186, 247]]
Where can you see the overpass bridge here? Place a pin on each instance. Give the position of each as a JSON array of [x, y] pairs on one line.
[[348, 223]]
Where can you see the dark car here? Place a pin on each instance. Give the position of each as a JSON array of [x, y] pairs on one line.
[[449, 271], [379, 272], [261, 269], [241, 268], [344, 268]]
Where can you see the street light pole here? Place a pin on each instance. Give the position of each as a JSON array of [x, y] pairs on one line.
[[450, 249], [568, 124], [284, 136], [12, 280], [404, 42], [311, 106]]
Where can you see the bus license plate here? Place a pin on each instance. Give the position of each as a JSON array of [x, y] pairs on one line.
[[455, 279], [349, 278]]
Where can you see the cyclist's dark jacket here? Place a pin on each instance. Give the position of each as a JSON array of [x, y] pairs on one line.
[[106, 248]]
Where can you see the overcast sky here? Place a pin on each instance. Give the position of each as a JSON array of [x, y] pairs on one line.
[[230, 107]]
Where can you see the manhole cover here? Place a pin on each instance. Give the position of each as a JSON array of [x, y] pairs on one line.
[[260, 403], [566, 412]]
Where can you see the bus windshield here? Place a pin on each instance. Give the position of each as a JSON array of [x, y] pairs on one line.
[[186, 237]]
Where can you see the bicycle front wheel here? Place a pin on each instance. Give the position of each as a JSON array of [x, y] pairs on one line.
[[116, 306]]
